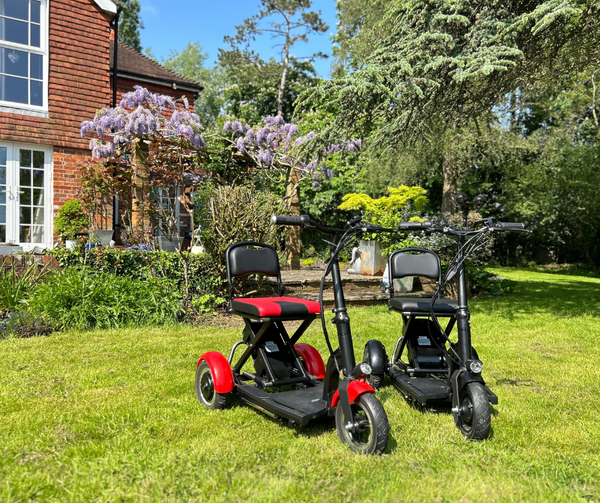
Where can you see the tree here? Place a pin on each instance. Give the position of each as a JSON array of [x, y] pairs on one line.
[[436, 66], [130, 24], [292, 23], [190, 63], [253, 85]]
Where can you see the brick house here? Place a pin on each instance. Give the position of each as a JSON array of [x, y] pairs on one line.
[[55, 72]]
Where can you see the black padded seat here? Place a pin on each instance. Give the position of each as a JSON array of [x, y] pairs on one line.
[[423, 305]]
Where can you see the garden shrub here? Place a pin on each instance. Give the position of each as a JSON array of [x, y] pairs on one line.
[[204, 282], [233, 214], [84, 299], [15, 287], [71, 220]]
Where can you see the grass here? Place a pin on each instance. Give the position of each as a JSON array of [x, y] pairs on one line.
[[112, 416]]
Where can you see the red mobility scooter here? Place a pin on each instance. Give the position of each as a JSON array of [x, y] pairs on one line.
[[290, 381]]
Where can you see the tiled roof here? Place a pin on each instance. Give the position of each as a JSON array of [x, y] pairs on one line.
[[133, 63]]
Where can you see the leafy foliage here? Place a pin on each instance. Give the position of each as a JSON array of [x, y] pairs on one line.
[[16, 287], [233, 214], [130, 24], [71, 220], [285, 19], [449, 62], [76, 298]]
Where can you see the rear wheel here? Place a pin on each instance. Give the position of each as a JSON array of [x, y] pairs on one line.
[[375, 380], [205, 388], [474, 418], [368, 429]]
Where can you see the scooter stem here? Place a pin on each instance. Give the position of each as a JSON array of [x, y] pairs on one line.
[[342, 320], [463, 317]]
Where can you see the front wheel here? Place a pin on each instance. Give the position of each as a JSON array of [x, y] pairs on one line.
[[205, 388], [474, 417], [368, 430]]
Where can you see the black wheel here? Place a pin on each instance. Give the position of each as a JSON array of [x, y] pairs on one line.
[[205, 388], [370, 425], [375, 380], [474, 418]]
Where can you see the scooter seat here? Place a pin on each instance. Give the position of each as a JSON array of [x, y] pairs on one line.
[[269, 307], [423, 306]]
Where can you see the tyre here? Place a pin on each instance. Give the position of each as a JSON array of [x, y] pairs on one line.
[[205, 388], [474, 419], [375, 380], [370, 435]]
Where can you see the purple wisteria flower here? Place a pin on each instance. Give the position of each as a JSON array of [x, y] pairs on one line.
[[140, 115]]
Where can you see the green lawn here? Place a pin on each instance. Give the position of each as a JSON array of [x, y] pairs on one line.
[[112, 416]]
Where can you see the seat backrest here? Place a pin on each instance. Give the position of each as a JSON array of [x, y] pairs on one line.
[[414, 262], [251, 257]]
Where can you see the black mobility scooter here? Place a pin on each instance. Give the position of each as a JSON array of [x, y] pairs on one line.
[[290, 380], [426, 367]]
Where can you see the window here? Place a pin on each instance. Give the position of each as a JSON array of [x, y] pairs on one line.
[[25, 193], [23, 49]]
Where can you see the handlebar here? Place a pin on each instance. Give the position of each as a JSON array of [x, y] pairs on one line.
[[489, 225], [304, 221], [414, 226]]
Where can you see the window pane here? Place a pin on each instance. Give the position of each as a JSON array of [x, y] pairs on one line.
[[38, 216], [2, 214], [36, 71], [35, 35], [38, 159], [13, 89], [35, 11], [16, 31], [2, 156], [15, 8], [2, 233], [38, 197], [3, 195], [2, 173], [25, 158], [38, 234], [25, 234], [25, 197], [25, 215], [14, 62], [25, 178], [38, 178], [37, 97]]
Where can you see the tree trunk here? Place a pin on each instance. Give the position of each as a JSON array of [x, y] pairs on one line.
[[286, 64], [292, 238], [449, 188]]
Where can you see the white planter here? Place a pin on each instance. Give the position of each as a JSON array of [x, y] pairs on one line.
[[372, 262], [71, 244]]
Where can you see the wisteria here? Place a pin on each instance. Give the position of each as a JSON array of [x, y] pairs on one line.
[[141, 114], [276, 143]]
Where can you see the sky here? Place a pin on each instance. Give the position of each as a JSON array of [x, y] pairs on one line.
[[170, 25]]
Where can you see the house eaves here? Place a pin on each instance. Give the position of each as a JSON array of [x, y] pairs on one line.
[[107, 6]]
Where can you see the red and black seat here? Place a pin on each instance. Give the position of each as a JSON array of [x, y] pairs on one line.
[[276, 358], [251, 257]]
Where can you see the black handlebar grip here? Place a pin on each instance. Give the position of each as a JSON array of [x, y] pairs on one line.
[[286, 220], [414, 226], [511, 226]]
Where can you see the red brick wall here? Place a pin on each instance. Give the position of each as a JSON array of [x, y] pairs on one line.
[[78, 77]]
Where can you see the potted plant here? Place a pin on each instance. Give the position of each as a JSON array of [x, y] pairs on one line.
[[402, 204], [71, 220]]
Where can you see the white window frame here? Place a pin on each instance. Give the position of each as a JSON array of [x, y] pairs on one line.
[[12, 106], [13, 194]]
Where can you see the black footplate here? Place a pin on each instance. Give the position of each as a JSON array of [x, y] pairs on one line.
[[421, 389]]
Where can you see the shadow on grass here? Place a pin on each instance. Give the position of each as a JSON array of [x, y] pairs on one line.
[[564, 299]]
